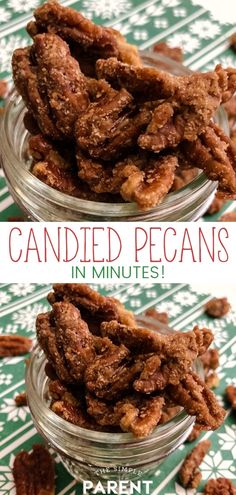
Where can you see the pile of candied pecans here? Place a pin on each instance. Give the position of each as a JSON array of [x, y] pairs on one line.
[[106, 128], [107, 374]]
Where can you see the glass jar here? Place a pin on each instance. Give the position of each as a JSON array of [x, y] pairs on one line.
[[98, 456], [42, 203]]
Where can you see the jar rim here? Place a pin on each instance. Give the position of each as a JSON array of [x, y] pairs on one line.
[[160, 432], [173, 199]]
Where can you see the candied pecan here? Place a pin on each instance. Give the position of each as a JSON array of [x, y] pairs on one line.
[[190, 110], [215, 154], [142, 340], [162, 317], [232, 41], [134, 413], [198, 400], [219, 486], [91, 302], [210, 359], [217, 307], [3, 88], [34, 472], [14, 345], [212, 380], [21, 399], [230, 108], [30, 123], [66, 341], [148, 187], [175, 53], [70, 407], [112, 372], [189, 474], [110, 125], [195, 433], [231, 395], [83, 35], [228, 217], [168, 413], [183, 177], [144, 83], [216, 205], [51, 85], [141, 417]]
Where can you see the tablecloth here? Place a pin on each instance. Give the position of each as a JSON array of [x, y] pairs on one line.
[[19, 305], [203, 35]]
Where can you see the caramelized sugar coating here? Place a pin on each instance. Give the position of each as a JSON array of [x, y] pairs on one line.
[[87, 39], [34, 472], [198, 400], [51, 84], [217, 307], [175, 53], [219, 486], [189, 474]]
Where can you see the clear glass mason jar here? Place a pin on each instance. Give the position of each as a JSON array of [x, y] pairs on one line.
[[42, 203], [98, 456]]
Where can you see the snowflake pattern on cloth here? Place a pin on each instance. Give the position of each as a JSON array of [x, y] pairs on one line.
[[180, 490], [21, 289], [7, 486], [25, 317], [187, 42], [106, 9], [4, 298], [205, 29], [228, 439], [6, 378], [4, 15], [214, 466], [7, 46], [12, 411], [185, 298], [22, 6]]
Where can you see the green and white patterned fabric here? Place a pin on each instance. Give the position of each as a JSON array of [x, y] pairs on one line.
[[202, 34], [19, 305]]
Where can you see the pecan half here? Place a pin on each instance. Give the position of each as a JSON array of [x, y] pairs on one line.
[[217, 307], [220, 486], [21, 399], [34, 472], [231, 395], [14, 345], [190, 475]]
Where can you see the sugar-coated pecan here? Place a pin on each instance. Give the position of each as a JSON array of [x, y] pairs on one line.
[[66, 341], [89, 301], [212, 380], [134, 413], [198, 400], [21, 399], [219, 486], [195, 433], [217, 307], [34, 472], [160, 316], [210, 359], [228, 217], [85, 38], [111, 373], [111, 125], [168, 413], [231, 395], [189, 474], [14, 345], [51, 85], [175, 53], [215, 154], [183, 177], [3, 88], [216, 205]]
